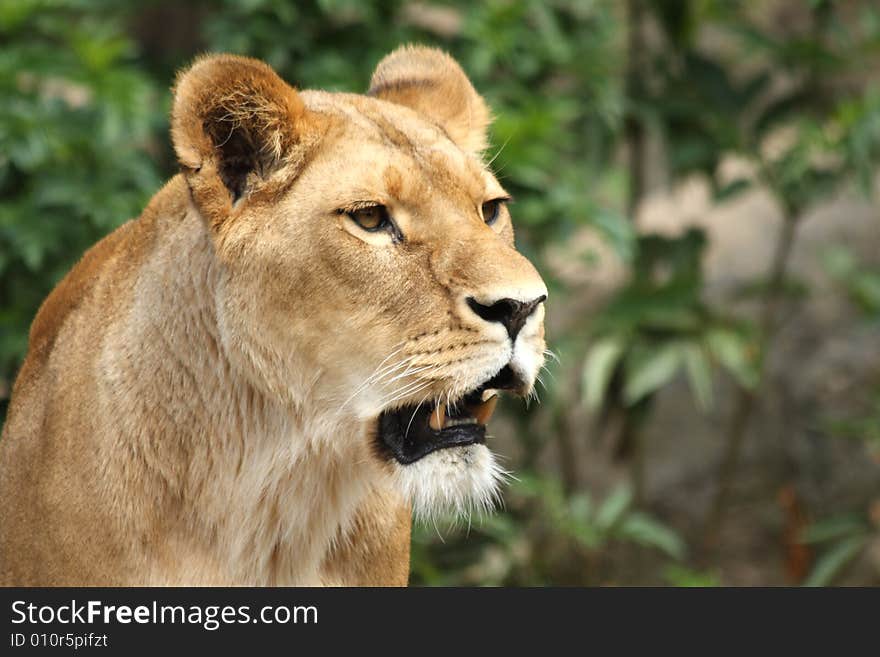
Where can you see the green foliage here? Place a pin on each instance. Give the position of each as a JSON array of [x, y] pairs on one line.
[[76, 120], [658, 326], [507, 548], [861, 426], [862, 285], [682, 576], [594, 524], [860, 282], [844, 537], [821, 134]]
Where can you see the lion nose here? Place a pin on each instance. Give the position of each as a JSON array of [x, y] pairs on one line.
[[509, 312]]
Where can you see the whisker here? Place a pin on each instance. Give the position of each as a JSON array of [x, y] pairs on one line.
[[418, 406], [549, 372], [402, 389], [379, 375], [437, 529], [408, 372], [498, 152], [405, 391], [551, 355], [378, 372]]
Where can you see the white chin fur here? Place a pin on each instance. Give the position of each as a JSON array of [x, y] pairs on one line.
[[451, 481]]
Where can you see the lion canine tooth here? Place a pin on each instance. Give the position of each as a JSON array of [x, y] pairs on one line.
[[438, 417], [488, 394], [484, 411]]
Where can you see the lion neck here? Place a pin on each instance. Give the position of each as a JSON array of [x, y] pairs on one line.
[[259, 488]]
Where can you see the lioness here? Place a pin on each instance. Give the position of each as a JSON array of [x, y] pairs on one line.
[[295, 346]]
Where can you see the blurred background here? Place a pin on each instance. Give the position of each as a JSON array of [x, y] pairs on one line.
[[696, 180]]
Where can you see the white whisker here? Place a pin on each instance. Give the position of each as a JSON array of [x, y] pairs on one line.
[[418, 406], [498, 152], [379, 372], [552, 356], [548, 371], [405, 391], [408, 372]]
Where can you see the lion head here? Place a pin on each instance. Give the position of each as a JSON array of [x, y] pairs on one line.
[[369, 274]]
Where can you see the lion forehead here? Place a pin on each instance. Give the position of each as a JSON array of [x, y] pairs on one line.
[[371, 130]]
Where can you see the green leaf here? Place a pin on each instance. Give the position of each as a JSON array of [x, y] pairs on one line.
[[598, 367], [732, 189], [755, 87], [617, 230], [682, 576], [832, 562], [529, 485], [865, 290], [782, 110], [733, 352], [645, 374], [581, 507], [614, 506], [501, 527], [834, 528], [587, 534], [699, 373], [645, 530]]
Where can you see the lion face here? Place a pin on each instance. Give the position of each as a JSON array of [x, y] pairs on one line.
[[368, 262]]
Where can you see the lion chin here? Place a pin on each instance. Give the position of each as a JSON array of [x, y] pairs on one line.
[[454, 482]]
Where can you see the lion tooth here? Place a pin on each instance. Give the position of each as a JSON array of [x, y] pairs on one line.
[[438, 417], [484, 411], [488, 394]]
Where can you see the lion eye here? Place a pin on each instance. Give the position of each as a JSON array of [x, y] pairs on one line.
[[491, 210], [372, 218]]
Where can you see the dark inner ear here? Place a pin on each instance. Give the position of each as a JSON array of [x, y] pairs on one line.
[[237, 162], [239, 154]]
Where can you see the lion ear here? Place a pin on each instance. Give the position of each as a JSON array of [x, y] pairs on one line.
[[234, 122], [432, 83]]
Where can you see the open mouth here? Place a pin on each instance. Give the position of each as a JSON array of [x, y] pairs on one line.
[[412, 432]]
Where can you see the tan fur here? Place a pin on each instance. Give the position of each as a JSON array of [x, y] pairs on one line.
[[192, 408]]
